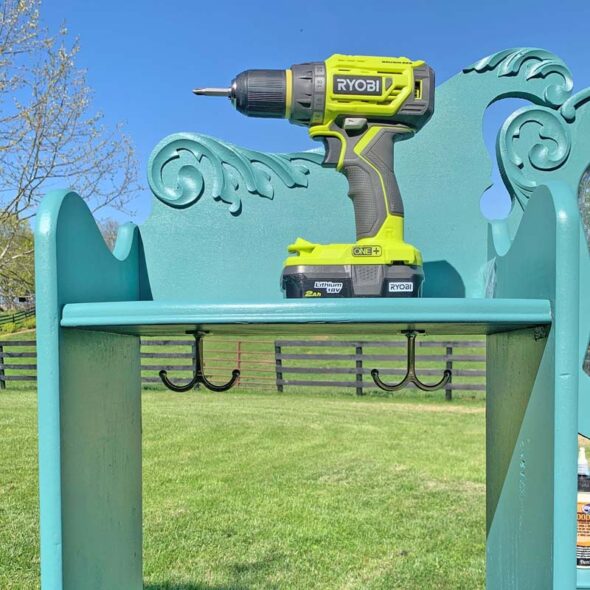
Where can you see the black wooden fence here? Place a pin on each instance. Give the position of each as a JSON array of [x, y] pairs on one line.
[[349, 363], [278, 364], [18, 361], [16, 317], [254, 358]]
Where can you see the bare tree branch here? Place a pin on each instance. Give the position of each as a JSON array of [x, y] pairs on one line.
[[47, 132]]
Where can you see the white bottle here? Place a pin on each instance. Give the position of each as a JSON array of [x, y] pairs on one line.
[[583, 463]]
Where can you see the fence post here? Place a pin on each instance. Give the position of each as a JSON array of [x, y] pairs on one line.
[[359, 369], [2, 372], [449, 366], [278, 365], [239, 361], [194, 359]]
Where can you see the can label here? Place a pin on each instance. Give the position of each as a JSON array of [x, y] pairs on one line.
[[583, 544]]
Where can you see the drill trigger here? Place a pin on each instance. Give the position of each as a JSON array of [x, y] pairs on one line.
[[333, 147]]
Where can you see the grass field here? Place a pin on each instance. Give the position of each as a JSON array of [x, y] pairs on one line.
[[245, 491]]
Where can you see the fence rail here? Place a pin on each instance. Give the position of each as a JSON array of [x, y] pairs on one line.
[[18, 371], [278, 364], [361, 356], [17, 316]]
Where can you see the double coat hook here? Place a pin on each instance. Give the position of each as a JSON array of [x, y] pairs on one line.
[[199, 376], [411, 376]]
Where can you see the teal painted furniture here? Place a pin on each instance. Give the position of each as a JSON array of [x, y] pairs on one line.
[[210, 258]]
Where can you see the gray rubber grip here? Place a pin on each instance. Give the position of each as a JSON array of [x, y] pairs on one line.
[[371, 205]]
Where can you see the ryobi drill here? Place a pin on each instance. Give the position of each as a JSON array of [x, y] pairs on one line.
[[358, 106]]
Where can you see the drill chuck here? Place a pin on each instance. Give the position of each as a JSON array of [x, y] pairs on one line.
[[260, 93], [255, 93], [297, 94]]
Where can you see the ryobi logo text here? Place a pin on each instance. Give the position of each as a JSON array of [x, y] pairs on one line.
[[401, 287], [370, 85]]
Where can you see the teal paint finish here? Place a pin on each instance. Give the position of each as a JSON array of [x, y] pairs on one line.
[[532, 431], [535, 63], [233, 248], [211, 254], [72, 264], [584, 344], [519, 463], [537, 144], [101, 461], [231, 167], [487, 314]]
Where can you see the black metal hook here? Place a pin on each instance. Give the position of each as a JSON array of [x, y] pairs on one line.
[[411, 376], [199, 376]]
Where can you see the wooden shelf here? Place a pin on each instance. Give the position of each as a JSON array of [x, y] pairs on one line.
[[303, 316]]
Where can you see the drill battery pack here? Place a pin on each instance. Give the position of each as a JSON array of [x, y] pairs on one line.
[[352, 280]]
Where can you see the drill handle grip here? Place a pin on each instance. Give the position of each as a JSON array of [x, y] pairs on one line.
[[365, 157], [373, 188]]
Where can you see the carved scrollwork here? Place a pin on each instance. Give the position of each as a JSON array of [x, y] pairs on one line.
[[536, 63], [570, 106], [175, 170], [532, 140]]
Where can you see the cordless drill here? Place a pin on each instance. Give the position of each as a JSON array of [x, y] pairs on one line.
[[359, 107]]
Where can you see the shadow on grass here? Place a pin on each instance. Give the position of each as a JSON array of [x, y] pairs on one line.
[[237, 571]]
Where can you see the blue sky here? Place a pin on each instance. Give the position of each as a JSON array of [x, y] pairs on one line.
[[144, 57]]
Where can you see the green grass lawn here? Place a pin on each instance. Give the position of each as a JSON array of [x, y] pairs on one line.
[[245, 490]]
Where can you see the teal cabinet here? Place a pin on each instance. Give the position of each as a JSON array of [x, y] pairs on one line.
[[210, 257]]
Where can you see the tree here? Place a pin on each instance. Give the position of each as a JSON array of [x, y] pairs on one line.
[[109, 229], [17, 270], [48, 135]]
